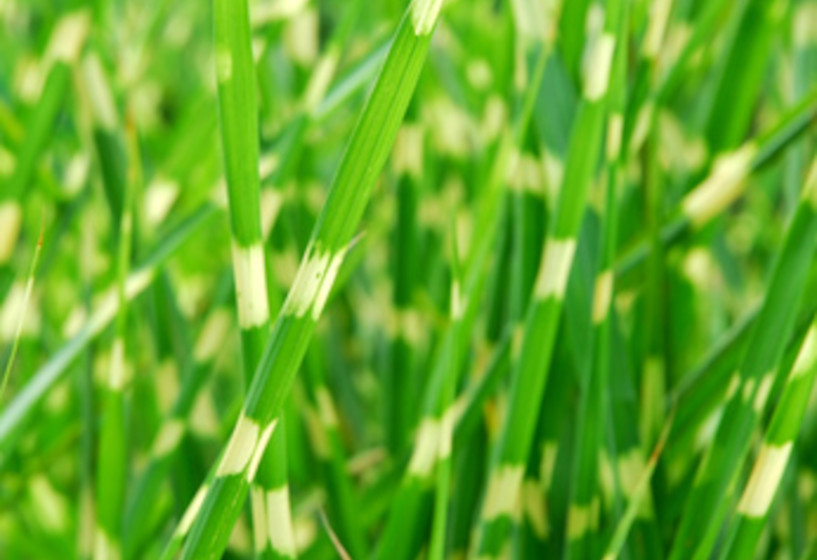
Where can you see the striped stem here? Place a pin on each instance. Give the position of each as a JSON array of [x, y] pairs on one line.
[[584, 513], [756, 501], [705, 507], [401, 535], [705, 387], [500, 506], [215, 328], [726, 180], [235, 74], [366, 153]]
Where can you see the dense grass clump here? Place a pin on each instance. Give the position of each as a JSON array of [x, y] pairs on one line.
[[408, 279]]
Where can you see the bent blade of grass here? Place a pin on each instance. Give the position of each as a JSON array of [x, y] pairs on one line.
[[45, 378], [205, 351], [270, 492], [32, 271], [706, 505], [756, 501], [359, 168], [640, 493], [137, 517]]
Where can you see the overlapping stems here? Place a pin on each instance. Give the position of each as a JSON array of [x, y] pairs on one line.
[[500, 502], [220, 500]]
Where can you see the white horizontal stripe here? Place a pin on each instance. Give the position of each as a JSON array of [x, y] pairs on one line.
[[168, 438], [734, 385], [279, 520], [99, 92], [320, 80], [582, 519], [327, 284], [764, 480], [275, 10], [763, 390], [447, 423], [615, 133], [259, 450], [810, 190], [250, 285], [425, 448], [116, 381], [272, 201], [326, 407], [807, 356], [597, 75], [160, 196], [721, 187], [602, 296], [213, 335], [105, 546], [192, 510], [533, 502], [424, 14], [313, 282], [547, 463], [502, 496], [631, 468], [405, 323], [68, 37], [407, 155], [748, 389], [258, 509], [240, 447], [659, 15], [804, 33], [555, 268], [458, 302], [643, 120]]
